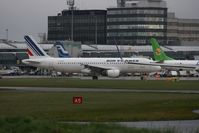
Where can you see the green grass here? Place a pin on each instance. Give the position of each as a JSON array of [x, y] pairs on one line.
[[23, 112], [99, 107], [121, 84], [28, 125]]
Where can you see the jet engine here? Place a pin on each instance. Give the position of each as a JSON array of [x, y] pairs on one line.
[[113, 73], [197, 69], [86, 71]]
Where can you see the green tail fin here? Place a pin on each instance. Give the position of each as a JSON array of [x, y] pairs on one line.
[[158, 53]]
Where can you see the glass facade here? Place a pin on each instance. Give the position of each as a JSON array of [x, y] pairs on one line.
[[182, 31], [89, 26], [135, 26], [137, 11]]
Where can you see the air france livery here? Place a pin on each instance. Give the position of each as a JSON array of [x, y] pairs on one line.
[[111, 67]]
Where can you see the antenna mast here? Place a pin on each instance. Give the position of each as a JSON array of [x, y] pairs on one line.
[[71, 4]]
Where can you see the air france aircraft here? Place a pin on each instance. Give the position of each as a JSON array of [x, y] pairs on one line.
[[166, 62], [111, 67], [62, 53]]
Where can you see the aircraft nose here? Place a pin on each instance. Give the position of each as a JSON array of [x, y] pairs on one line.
[[158, 68]]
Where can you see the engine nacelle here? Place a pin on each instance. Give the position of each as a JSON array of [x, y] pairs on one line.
[[197, 69], [113, 73], [86, 71]]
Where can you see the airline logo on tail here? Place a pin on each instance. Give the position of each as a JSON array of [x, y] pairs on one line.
[[62, 53], [34, 50], [158, 51], [29, 53]]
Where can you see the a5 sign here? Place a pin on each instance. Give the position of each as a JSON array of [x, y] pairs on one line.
[[78, 100]]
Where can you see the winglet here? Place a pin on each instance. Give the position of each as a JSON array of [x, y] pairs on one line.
[[158, 53]]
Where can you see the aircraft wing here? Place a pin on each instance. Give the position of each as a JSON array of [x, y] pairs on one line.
[[165, 65], [97, 69]]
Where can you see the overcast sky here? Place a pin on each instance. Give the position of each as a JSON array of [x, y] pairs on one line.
[[22, 17]]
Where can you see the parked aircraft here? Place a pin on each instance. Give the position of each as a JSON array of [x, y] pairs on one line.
[[166, 62], [62, 53], [111, 67], [170, 63]]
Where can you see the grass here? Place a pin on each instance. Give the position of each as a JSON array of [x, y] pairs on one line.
[[115, 84], [99, 107], [23, 112], [29, 125]]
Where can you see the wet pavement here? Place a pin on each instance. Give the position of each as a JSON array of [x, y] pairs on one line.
[[186, 126]]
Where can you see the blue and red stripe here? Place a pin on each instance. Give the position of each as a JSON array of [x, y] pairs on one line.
[[33, 46]]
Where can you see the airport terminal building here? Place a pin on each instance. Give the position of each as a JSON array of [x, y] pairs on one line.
[[134, 23], [12, 54], [89, 26], [181, 31]]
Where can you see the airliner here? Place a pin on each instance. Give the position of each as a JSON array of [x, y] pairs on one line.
[[62, 53], [166, 62], [111, 67]]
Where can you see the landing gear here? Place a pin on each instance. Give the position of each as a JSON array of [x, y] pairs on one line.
[[95, 77], [143, 76]]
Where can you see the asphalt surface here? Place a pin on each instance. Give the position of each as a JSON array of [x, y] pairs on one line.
[[188, 126], [182, 126], [105, 77], [45, 89]]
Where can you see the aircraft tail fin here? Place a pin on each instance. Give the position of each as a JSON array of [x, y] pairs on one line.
[[34, 49], [62, 53], [158, 53]]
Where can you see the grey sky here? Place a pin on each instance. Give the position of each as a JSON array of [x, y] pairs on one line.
[[30, 16]]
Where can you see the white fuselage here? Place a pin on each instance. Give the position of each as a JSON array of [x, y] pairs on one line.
[[77, 65], [183, 63]]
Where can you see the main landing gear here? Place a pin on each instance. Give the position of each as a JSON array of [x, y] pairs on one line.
[[144, 76]]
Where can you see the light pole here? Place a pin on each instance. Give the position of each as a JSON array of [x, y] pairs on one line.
[[72, 24], [71, 4], [7, 34], [95, 29]]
